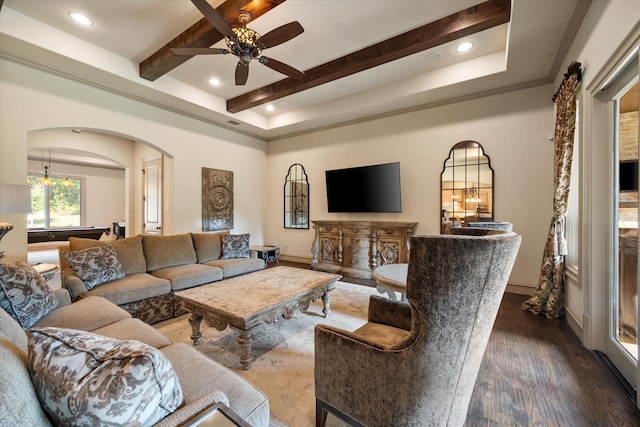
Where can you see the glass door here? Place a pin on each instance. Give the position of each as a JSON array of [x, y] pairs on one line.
[[622, 342]]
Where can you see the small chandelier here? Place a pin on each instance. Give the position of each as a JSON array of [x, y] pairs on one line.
[[47, 172], [473, 194]]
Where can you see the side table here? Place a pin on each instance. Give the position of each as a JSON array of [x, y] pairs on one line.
[[267, 253], [47, 271], [391, 278]]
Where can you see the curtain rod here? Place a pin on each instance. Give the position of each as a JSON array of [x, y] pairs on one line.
[[574, 68]]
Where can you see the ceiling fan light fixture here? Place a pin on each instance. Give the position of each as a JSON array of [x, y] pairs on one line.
[[245, 41]]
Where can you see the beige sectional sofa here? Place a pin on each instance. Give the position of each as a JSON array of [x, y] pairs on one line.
[[202, 381], [157, 266]]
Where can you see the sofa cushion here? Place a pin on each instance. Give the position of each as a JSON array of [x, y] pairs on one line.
[[129, 251], [131, 288], [24, 294], [134, 329], [208, 246], [190, 275], [95, 266], [237, 266], [19, 404], [235, 246], [83, 378], [198, 373], [85, 314], [168, 251], [12, 330]]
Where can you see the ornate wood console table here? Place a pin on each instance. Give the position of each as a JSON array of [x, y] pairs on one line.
[[356, 248]]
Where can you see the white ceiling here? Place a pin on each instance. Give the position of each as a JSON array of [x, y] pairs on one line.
[[524, 52]]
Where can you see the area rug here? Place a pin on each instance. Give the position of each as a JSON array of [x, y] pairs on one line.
[[284, 352]]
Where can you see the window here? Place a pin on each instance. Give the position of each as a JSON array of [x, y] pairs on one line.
[[572, 230], [55, 205]]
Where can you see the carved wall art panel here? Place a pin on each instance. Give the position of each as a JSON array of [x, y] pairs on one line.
[[217, 199]]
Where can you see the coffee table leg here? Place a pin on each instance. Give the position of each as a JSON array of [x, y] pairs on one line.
[[195, 320], [244, 340], [326, 301]]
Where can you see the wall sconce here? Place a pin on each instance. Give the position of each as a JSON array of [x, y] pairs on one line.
[[14, 198]]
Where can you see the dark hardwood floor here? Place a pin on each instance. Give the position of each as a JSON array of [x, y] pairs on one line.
[[536, 372]]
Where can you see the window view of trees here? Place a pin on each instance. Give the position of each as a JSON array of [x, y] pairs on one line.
[[56, 204]]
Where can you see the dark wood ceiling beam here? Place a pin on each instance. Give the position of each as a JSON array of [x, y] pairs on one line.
[[201, 34], [456, 26]]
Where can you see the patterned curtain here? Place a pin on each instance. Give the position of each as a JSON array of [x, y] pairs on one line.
[[548, 298]]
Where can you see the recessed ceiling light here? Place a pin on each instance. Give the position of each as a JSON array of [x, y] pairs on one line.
[[269, 108], [80, 19], [433, 56], [464, 47], [214, 82]]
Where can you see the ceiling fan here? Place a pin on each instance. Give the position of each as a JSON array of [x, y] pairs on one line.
[[245, 43]]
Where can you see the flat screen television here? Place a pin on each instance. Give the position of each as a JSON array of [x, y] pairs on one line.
[[374, 188], [629, 176]]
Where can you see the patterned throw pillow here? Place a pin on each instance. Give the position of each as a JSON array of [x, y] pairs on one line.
[[95, 266], [85, 379], [235, 246], [24, 293]]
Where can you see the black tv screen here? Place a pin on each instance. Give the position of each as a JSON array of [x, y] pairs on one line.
[[629, 176], [373, 188]]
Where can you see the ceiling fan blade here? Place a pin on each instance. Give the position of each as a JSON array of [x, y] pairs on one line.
[[281, 67], [214, 17], [242, 73], [198, 51], [281, 34]]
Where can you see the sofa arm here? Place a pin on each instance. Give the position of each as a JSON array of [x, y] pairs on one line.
[[63, 297], [389, 312], [182, 415], [73, 284]]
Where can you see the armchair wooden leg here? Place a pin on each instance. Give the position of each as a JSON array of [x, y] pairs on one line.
[[321, 414]]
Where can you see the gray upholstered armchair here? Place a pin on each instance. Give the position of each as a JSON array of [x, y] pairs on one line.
[[416, 363]]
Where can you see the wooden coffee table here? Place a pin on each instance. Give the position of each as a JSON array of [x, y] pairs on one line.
[[245, 302]]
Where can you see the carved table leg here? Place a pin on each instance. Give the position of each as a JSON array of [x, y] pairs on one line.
[[195, 320], [326, 301], [244, 340]]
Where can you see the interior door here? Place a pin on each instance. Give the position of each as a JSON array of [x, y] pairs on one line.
[[152, 172]]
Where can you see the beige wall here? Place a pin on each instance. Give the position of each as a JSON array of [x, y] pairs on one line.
[[33, 100], [513, 129]]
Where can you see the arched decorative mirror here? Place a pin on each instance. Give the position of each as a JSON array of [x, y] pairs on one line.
[[296, 198], [466, 186]]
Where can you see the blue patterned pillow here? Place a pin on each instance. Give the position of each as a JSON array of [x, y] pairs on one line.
[[86, 379], [96, 265], [235, 246], [24, 293]]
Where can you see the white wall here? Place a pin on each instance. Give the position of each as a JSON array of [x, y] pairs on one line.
[[33, 99], [513, 128]]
